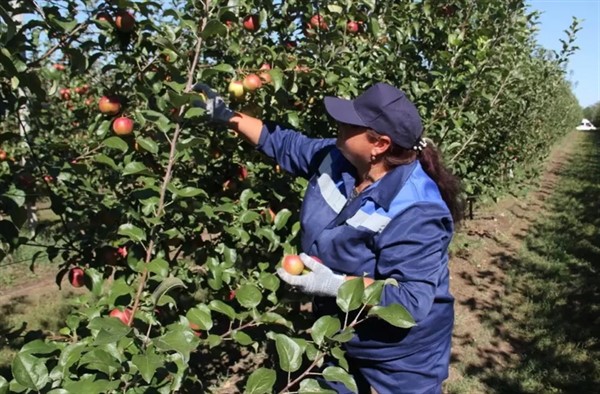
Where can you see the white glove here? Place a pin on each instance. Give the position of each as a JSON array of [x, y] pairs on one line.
[[320, 281]]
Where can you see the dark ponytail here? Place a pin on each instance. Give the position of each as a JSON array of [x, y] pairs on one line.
[[431, 161]]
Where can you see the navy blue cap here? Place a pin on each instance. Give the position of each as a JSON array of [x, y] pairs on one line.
[[382, 108]]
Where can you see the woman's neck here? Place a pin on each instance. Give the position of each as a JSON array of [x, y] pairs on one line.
[[373, 174]]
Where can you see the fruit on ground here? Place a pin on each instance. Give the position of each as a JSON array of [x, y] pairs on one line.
[[122, 126], [251, 23], [124, 21], [109, 105], [76, 277], [236, 89], [292, 264], [123, 315], [252, 82]]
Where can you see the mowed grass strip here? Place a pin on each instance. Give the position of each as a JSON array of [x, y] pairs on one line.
[[553, 306]]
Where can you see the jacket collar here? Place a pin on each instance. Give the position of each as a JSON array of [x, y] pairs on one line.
[[389, 186]]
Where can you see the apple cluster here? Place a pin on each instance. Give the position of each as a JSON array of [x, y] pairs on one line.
[[251, 82], [111, 105]]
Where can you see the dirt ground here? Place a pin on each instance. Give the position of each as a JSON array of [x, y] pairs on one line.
[[478, 281], [489, 242]]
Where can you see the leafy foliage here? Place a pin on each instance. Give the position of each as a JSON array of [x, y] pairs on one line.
[[179, 223]]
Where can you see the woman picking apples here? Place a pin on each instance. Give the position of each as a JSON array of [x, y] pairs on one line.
[[380, 204]]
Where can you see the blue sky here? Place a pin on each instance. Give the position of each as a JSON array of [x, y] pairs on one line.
[[584, 66]]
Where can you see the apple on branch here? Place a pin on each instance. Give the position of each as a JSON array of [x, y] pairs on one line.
[[122, 126]]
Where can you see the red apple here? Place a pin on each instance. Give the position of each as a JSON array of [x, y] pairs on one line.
[[292, 264], [122, 126], [2, 155], [124, 21], [110, 105], [242, 173], [251, 23], [252, 82], [236, 89], [123, 315], [59, 67], [352, 27], [65, 93], [318, 22], [76, 277]]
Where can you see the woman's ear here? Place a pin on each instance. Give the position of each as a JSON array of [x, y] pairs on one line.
[[381, 145]]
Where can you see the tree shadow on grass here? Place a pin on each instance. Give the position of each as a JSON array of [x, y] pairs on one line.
[[552, 314]]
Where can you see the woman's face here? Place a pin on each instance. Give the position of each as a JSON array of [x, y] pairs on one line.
[[354, 144]]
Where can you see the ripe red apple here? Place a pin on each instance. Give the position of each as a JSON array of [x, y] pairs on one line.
[[318, 22], [123, 315], [110, 105], [65, 93], [124, 21], [2, 155], [292, 264], [59, 67], [236, 89], [242, 173], [352, 27], [251, 23], [122, 126], [252, 82], [76, 277]]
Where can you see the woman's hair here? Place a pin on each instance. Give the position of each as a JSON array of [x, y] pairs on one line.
[[431, 161]]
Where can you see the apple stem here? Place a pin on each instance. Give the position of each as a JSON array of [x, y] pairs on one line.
[[169, 169]]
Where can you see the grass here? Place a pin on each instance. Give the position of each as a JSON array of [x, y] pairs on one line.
[[553, 308]]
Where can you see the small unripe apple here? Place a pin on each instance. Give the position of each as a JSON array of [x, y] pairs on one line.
[[110, 105], [123, 315], [124, 21], [252, 82], [236, 89], [122, 126], [76, 277], [251, 23], [292, 264]]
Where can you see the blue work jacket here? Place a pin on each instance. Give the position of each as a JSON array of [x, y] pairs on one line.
[[399, 227]]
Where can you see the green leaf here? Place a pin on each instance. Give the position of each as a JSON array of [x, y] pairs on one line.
[[275, 318], [4, 385], [261, 381], [242, 338], [38, 346], [194, 113], [201, 315], [289, 352], [277, 78], [147, 144], [248, 217], [134, 233], [178, 340], [147, 364], [395, 314], [337, 374], [339, 355], [100, 360], [248, 295], [17, 195], [335, 9], [158, 266], [350, 294], [224, 68], [166, 285], [116, 143], [221, 307], [110, 330], [118, 289], [281, 218], [135, 167], [372, 294], [29, 371], [190, 192], [312, 386], [102, 158], [213, 28], [325, 327]]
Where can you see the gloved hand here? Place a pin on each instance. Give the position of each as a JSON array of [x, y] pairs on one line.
[[214, 105], [320, 281]]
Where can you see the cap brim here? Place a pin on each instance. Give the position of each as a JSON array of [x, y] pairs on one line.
[[342, 111]]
